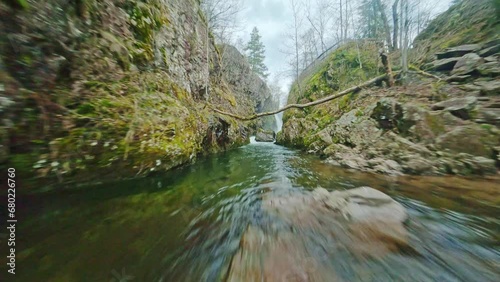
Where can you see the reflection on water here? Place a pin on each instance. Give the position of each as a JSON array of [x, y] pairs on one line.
[[186, 225]]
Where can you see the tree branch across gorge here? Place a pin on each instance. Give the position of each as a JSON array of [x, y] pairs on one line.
[[310, 104]]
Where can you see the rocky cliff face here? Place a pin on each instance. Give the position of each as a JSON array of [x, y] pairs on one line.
[[427, 126], [115, 86], [242, 80]]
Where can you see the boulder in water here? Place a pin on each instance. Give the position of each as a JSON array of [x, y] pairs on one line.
[[310, 228], [264, 135]]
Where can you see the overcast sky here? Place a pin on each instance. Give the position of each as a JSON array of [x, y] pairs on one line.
[[272, 17]]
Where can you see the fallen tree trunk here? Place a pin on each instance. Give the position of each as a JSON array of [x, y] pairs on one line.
[[421, 72], [313, 103]]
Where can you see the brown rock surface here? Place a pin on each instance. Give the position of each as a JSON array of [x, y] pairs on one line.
[[363, 221]]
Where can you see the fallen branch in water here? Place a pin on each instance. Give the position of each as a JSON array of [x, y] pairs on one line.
[[313, 103]]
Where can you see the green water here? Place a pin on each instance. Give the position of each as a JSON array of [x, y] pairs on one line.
[[185, 225]]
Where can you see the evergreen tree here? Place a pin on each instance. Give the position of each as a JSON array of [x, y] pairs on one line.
[[256, 54]]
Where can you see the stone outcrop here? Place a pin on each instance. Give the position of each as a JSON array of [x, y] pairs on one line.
[[407, 131], [445, 123], [117, 87], [467, 64], [458, 51], [248, 86]]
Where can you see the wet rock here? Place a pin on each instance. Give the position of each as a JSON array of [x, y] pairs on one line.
[[471, 139], [496, 151], [387, 112], [458, 78], [384, 166], [417, 165], [489, 88], [353, 161], [459, 107], [489, 116], [458, 51], [353, 130], [467, 64], [294, 130], [5, 103], [471, 87], [278, 257], [481, 165], [432, 125], [490, 51], [321, 140], [363, 204], [444, 64], [406, 145], [362, 220], [489, 69], [466, 164], [264, 135], [4, 145], [344, 156], [366, 204]]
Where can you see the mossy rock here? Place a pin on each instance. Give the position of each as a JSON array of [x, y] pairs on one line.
[[388, 113]]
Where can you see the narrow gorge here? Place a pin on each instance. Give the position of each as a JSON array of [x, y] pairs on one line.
[[239, 140]]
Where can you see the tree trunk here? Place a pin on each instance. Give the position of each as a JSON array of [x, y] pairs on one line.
[[297, 57], [395, 18], [405, 12], [401, 28], [341, 23], [387, 67], [346, 20]]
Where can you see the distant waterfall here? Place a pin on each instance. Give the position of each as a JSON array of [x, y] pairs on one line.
[[282, 101], [279, 121]]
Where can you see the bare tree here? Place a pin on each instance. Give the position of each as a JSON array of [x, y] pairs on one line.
[[319, 17], [406, 31], [222, 17], [309, 50]]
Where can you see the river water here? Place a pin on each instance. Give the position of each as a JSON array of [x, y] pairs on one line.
[[186, 225]]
